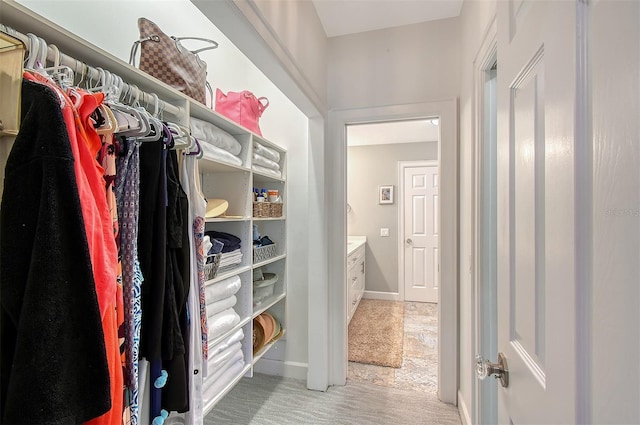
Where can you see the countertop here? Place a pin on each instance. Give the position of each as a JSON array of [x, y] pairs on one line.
[[355, 242]]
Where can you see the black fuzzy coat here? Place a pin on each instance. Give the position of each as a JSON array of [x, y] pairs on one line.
[[54, 366]]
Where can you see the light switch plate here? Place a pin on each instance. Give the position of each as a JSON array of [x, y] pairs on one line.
[[384, 231]]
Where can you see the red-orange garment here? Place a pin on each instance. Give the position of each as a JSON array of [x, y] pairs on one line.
[[90, 101], [91, 187], [98, 227]]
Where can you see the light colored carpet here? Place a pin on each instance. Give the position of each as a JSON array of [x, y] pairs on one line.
[[272, 400], [376, 333]]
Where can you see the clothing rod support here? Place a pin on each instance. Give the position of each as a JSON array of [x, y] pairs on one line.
[[91, 73]]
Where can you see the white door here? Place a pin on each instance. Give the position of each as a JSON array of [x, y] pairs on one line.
[[421, 268], [536, 216]]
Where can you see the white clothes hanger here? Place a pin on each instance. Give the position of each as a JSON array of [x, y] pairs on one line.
[[34, 47]]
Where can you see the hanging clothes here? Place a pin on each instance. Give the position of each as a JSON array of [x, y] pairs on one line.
[[127, 192], [175, 394], [85, 145], [54, 361], [197, 327]]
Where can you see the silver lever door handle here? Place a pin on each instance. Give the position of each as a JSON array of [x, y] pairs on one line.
[[409, 241], [485, 368]]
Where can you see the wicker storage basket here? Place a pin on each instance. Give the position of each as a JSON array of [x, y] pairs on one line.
[[267, 209], [263, 253], [211, 266]]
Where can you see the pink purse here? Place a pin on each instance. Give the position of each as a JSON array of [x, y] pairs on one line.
[[243, 108]]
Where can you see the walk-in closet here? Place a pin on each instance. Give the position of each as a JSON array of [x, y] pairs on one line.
[[146, 266]]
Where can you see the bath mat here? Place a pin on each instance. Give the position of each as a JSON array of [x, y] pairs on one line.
[[376, 333]]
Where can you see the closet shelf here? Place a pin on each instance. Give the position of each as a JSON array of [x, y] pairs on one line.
[[268, 304], [211, 166], [269, 261], [228, 274], [263, 177], [209, 404], [266, 348], [269, 218], [226, 219], [268, 143]]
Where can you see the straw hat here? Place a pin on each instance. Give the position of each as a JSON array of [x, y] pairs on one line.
[[216, 207]]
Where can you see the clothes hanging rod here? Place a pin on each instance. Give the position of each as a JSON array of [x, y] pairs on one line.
[[94, 74]]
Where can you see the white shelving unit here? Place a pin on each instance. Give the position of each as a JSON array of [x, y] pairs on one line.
[[235, 184], [219, 180]]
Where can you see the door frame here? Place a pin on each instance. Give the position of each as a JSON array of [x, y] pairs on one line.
[[402, 165], [484, 407], [335, 157]]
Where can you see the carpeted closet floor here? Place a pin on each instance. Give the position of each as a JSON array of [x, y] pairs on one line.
[[373, 394], [419, 370]]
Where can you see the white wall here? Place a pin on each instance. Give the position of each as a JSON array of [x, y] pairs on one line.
[[300, 32], [395, 66], [112, 26], [474, 21], [367, 168], [614, 384]]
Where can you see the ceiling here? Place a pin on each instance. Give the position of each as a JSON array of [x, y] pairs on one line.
[[341, 17], [393, 132]]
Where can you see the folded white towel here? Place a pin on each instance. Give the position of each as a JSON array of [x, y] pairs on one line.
[[272, 154], [268, 171], [220, 323], [220, 306], [265, 162], [207, 132], [216, 372], [215, 153], [231, 253], [221, 358], [215, 349], [215, 384], [223, 289], [237, 259]]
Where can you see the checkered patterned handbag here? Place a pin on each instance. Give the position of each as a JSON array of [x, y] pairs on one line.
[[164, 58]]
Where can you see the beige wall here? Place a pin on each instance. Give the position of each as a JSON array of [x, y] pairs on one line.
[[369, 167], [408, 64]]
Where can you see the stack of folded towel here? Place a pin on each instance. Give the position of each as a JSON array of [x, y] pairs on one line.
[[216, 144], [226, 359], [220, 297], [229, 248], [265, 160]]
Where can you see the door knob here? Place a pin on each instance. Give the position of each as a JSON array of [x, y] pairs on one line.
[[485, 368], [409, 241]]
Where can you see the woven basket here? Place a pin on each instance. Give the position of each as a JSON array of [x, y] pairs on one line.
[[211, 268], [263, 253], [267, 209]]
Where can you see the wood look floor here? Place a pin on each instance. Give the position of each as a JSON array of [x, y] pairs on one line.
[[372, 396]]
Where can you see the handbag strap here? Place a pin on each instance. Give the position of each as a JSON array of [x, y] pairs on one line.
[[156, 38], [136, 44], [214, 45], [261, 106]]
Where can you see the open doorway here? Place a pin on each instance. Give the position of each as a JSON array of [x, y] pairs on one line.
[[392, 265], [448, 294]]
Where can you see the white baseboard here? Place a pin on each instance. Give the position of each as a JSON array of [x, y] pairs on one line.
[[463, 411], [293, 370], [386, 296]]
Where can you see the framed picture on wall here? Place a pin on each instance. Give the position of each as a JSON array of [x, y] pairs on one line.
[[385, 194]]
